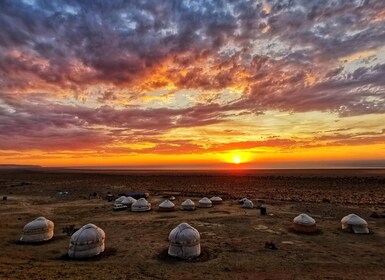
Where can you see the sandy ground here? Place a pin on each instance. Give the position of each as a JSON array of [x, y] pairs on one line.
[[232, 238]]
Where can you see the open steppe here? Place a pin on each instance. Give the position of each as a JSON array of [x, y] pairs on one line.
[[232, 238]]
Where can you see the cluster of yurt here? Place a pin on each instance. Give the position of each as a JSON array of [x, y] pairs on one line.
[[184, 242], [142, 205], [39, 230], [189, 205], [87, 242], [353, 223]]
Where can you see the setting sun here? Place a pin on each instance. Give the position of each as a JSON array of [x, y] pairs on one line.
[[236, 159]]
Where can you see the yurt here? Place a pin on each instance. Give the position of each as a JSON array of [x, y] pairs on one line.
[[128, 201], [205, 203], [184, 242], [141, 205], [354, 223], [120, 199], [87, 242], [248, 204], [241, 201], [166, 206], [39, 230], [304, 223], [216, 200], [188, 205]]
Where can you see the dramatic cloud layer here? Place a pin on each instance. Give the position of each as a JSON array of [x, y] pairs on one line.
[[127, 79]]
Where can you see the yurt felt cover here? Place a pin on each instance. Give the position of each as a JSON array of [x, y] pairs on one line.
[[38, 230], [205, 202], [247, 204], [188, 202], [141, 205], [184, 242], [304, 219], [120, 199], [88, 241], [167, 204], [128, 200]]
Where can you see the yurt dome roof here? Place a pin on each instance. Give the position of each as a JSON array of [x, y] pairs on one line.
[[184, 234], [120, 199], [38, 223], [167, 204], [216, 198], [141, 202], [188, 202], [353, 219], [247, 203], [304, 219], [241, 201], [88, 234], [128, 200], [205, 200]]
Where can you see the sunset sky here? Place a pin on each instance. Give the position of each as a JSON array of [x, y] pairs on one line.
[[192, 83]]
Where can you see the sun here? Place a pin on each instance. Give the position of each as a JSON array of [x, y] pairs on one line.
[[236, 159]]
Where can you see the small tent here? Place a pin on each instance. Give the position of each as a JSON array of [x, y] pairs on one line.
[[188, 205], [166, 206], [354, 223], [87, 242], [216, 200], [120, 199], [184, 242], [304, 223], [128, 201], [39, 230], [141, 205], [241, 201], [247, 204], [205, 203]]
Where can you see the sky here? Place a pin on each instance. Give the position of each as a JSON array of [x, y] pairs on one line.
[[192, 83]]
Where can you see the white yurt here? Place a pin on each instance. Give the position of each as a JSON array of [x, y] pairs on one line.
[[128, 201], [120, 199], [188, 205], [141, 205], [184, 242], [354, 223], [247, 204], [216, 200], [304, 223], [87, 242], [241, 201], [205, 203], [166, 206], [39, 230]]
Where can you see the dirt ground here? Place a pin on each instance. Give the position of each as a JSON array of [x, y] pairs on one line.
[[232, 238]]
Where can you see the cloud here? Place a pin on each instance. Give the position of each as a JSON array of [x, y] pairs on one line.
[[75, 74]]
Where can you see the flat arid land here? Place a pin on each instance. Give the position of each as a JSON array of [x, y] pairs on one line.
[[232, 238]]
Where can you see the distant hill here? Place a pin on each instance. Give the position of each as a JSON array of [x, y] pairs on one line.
[[17, 166]]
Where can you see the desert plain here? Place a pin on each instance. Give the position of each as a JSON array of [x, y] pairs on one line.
[[232, 238]]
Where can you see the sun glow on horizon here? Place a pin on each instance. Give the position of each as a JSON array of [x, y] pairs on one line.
[[236, 159]]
